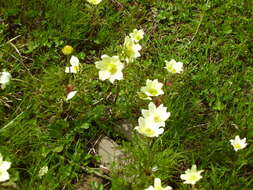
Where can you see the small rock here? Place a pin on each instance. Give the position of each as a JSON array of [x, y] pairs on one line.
[[109, 152]]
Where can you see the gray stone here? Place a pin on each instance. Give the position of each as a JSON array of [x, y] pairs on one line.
[[109, 152]]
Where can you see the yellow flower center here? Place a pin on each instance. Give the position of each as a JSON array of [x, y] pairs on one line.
[[138, 37], [158, 188], [112, 68], [148, 131], [238, 146], [75, 68], [171, 69], [153, 91], [129, 51], [193, 177], [157, 119]]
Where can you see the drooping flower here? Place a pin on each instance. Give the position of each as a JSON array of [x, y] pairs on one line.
[[137, 35], [66, 50], [238, 143], [5, 78], [4, 166], [148, 128], [94, 2], [70, 95], [174, 67], [143, 96], [157, 115], [75, 65], [158, 186], [191, 176], [110, 68], [131, 49], [43, 171], [152, 88]]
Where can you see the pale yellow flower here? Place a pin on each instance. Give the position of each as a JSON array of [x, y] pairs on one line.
[[157, 115], [75, 65], [66, 50], [43, 171], [4, 166], [191, 176], [131, 49], [238, 143], [158, 186], [148, 128], [94, 2], [137, 35], [173, 66], [5, 78], [110, 68], [152, 88]]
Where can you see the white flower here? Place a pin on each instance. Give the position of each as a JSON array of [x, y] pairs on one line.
[[110, 68], [158, 186], [5, 78], [173, 66], [70, 95], [137, 35], [154, 169], [152, 88], [43, 171], [74, 68], [157, 115], [148, 128], [4, 166], [191, 176], [94, 2], [131, 49], [238, 143]]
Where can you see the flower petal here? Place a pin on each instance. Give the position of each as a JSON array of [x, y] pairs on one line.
[[71, 95], [5, 165], [157, 182], [74, 61], [4, 176]]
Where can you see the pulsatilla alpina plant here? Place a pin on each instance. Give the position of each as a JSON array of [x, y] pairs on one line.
[[152, 89], [130, 49], [153, 120], [191, 176], [173, 66], [111, 67], [158, 115], [148, 128], [238, 143]]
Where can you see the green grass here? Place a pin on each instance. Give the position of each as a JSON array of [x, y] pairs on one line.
[[210, 102]]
